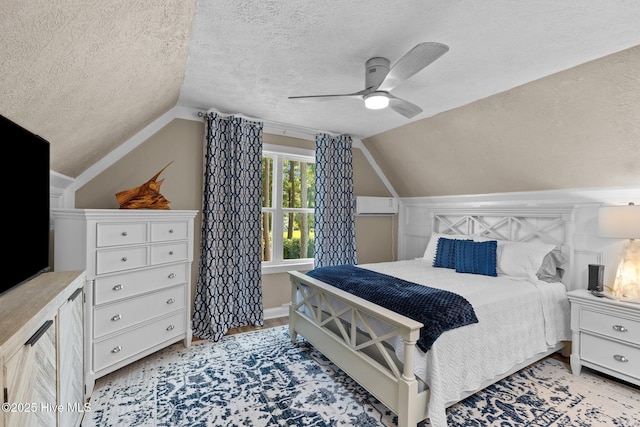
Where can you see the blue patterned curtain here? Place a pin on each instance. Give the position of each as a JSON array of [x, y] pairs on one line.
[[335, 232], [229, 289]]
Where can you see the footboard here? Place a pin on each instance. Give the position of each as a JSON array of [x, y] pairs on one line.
[[346, 329]]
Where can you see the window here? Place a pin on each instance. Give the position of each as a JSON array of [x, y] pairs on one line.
[[288, 200]]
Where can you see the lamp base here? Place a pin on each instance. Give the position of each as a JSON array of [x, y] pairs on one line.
[[627, 282]]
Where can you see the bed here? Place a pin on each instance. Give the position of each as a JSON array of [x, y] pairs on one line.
[[522, 318]]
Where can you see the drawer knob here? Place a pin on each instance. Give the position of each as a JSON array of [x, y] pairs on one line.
[[116, 349], [170, 301], [124, 233], [124, 259], [170, 252], [619, 328], [118, 287], [170, 328], [171, 231], [116, 318], [620, 358], [172, 275]]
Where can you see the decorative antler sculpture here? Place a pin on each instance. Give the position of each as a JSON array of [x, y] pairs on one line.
[[146, 196]]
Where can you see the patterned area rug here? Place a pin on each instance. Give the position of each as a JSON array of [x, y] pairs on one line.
[[261, 379]]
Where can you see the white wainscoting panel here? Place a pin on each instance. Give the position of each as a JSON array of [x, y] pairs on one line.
[[414, 225]]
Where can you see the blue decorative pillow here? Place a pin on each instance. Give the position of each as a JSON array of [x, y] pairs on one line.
[[476, 257], [446, 253]]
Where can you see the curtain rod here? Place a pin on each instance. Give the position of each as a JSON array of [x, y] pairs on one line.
[[204, 113], [254, 119], [266, 122]]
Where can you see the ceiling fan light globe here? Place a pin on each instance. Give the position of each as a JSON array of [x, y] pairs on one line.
[[376, 101]]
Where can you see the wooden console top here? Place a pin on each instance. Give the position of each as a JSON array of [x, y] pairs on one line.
[[24, 305]]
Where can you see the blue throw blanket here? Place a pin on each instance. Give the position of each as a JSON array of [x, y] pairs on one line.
[[438, 310]]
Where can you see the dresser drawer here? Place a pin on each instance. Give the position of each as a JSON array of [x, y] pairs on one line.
[[120, 347], [610, 354], [116, 234], [162, 254], [167, 231], [610, 325], [114, 317], [126, 285], [108, 261]]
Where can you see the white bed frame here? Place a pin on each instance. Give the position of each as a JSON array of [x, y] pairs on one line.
[[317, 309]]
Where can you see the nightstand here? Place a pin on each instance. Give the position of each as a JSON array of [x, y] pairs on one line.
[[606, 336]]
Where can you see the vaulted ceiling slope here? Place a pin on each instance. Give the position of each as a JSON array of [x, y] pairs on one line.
[[88, 76]]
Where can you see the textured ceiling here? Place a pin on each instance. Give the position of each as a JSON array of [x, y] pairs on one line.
[[88, 75], [249, 56]]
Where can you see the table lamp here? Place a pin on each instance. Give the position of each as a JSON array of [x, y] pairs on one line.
[[623, 222]]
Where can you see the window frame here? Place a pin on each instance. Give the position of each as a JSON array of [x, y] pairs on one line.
[[280, 153]]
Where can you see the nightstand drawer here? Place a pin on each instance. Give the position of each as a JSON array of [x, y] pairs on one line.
[[167, 231], [121, 234], [120, 347], [114, 317], [126, 285], [613, 355], [162, 254], [121, 259], [610, 325]]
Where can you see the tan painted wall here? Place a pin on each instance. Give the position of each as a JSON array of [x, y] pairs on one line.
[[579, 128], [375, 235], [181, 142]]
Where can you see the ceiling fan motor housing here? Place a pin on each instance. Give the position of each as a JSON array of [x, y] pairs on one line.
[[376, 69]]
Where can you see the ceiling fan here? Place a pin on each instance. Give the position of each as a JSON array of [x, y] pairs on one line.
[[380, 79]]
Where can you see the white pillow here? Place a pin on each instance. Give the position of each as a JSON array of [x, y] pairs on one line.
[[432, 246], [521, 259]]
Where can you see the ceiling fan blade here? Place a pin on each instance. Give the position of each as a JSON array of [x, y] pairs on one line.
[[413, 61], [403, 107], [357, 95]]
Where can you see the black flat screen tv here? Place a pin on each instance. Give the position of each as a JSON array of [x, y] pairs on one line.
[[26, 204]]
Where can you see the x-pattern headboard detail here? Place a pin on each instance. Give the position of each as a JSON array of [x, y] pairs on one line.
[[548, 224], [512, 228]]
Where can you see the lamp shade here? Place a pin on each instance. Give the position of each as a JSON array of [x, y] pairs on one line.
[[622, 222]]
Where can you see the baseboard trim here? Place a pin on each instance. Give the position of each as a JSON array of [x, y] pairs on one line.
[[273, 313]]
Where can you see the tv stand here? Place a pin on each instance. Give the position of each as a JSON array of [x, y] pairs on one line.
[[41, 351]]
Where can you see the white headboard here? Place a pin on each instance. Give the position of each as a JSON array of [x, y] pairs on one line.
[[549, 224]]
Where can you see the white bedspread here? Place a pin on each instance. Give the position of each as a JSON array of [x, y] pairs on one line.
[[517, 319]]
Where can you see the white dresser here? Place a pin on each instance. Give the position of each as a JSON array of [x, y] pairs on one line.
[[138, 291], [606, 336]]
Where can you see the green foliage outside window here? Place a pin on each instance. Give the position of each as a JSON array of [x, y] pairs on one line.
[[291, 249], [297, 197]]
